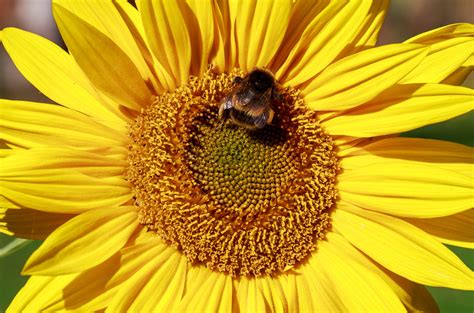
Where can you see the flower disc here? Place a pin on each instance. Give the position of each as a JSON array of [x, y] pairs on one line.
[[242, 202]]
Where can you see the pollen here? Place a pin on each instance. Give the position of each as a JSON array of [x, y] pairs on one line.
[[241, 202]]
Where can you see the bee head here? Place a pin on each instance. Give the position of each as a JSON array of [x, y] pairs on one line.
[[261, 80]]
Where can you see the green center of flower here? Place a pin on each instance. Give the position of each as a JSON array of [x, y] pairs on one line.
[[242, 171], [241, 202]]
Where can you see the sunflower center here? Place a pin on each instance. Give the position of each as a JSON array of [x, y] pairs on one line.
[[241, 202], [242, 171]]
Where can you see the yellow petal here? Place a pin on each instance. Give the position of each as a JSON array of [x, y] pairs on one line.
[[469, 62], [273, 293], [359, 78], [65, 193], [455, 230], [357, 287], [367, 34], [231, 17], [443, 154], [28, 124], [164, 258], [459, 76], [141, 236], [260, 27], [403, 249], [54, 73], [208, 291], [83, 242], [443, 59], [221, 51], [199, 16], [113, 20], [415, 297], [7, 204], [132, 18], [106, 65], [196, 277], [136, 256], [11, 146], [298, 290], [346, 144], [250, 298], [131, 259], [323, 298], [38, 161], [443, 33], [168, 37], [323, 40], [38, 292], [62, 189], [88, 291], [403, 108], [4, 151], [30, 224], [444, 37], [81, 291], [303, 16], [407, 189], [163, 287], [354, 145]]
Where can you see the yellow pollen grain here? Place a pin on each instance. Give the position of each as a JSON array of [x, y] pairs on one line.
[[245, 203]]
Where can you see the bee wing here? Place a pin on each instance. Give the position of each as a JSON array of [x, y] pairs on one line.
[[261, 121]]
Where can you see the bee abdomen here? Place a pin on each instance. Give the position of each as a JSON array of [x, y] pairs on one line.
[[242, 117]]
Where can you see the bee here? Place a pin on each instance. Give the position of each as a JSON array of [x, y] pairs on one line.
[[250, 103]]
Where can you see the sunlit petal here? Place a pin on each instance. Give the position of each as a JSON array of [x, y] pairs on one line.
[[411, 253], [168, 37], [323, 40], [103, 61], [455, 230], [443, 154], [260, 26], [403, 108], [63, 252], [359, 78], [54, 72], [407, 189]]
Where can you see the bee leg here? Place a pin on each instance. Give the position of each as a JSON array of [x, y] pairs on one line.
[[224, 116], [224, 110], [277, 95], [226, 105]]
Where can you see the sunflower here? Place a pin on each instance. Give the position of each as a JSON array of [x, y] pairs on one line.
[[148, 201]]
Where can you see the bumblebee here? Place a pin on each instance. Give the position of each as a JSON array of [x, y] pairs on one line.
[[250, 102]]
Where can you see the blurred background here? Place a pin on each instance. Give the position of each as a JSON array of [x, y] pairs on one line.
[[405, 19]]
